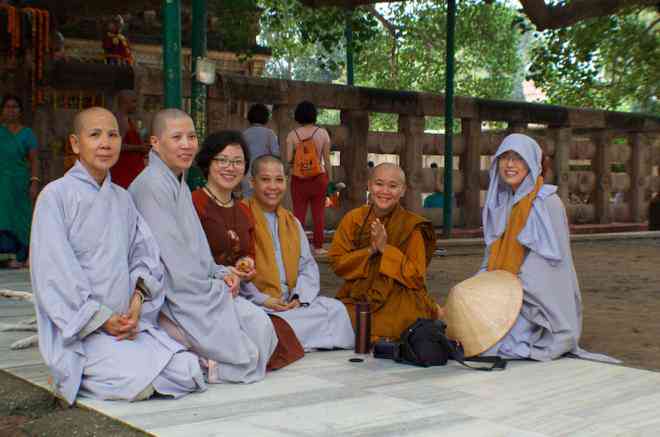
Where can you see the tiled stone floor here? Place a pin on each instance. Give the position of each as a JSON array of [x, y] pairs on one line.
[[326, 395]]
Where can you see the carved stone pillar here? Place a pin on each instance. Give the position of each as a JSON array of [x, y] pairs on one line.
[[601, 165], [283, 124], [471, 166], [563, 137], [354, 157], [412, 129], [639, 176]]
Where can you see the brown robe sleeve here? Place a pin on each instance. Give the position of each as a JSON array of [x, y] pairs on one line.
[[348, 262], [409, 268]]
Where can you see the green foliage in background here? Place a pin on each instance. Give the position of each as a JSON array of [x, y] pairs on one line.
[[408, 53], [608, 63]]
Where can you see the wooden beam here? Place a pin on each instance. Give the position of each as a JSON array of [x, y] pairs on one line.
[[81, 75]]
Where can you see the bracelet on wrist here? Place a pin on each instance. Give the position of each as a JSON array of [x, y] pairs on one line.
[[35, 179]]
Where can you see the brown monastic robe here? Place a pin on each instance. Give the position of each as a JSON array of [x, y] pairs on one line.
[[394, 282]]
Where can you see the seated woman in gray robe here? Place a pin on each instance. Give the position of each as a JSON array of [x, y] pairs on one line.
[[98, 283], [233, 338], [526, 232]]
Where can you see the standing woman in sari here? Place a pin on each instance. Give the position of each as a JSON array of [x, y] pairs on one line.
[[19, 181]]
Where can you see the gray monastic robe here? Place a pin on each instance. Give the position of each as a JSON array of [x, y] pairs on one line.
[[230, 331], [550, 320], [320, 322], [89, 247]]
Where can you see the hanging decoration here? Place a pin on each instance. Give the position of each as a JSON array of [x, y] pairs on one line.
[[13, 30], [28, 32]]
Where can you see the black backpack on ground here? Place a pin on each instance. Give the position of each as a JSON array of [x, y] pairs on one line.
[[425, 344]]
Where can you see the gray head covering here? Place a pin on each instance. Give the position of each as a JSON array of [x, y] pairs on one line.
[[538, 234]]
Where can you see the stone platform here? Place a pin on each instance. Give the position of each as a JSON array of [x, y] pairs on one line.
[[326, 395]]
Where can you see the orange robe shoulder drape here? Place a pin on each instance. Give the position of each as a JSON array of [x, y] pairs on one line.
[[394, 282]]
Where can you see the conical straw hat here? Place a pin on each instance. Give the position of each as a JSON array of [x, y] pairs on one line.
[[482, 309]]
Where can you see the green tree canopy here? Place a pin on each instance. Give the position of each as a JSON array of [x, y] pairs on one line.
[[400, 46], [608, 62]]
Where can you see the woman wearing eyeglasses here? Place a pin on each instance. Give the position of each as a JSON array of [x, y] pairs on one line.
[[526, 233], [230, 228]]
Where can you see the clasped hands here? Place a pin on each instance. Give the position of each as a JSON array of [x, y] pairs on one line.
[[243, 270], [378, 237], [125, 326]]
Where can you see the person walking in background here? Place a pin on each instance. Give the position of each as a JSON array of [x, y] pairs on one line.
[[260, 139], [19, 181], [308, 151]]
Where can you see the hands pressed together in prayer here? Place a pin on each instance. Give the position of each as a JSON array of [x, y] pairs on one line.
[[125, 326], [378, 237]]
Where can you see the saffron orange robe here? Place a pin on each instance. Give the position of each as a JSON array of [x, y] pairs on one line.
[[394, 282]]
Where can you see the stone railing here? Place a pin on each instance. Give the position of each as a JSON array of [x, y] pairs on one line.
[[611, 152], [595, 154]]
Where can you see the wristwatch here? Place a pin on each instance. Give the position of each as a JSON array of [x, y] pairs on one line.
[[142, 289]]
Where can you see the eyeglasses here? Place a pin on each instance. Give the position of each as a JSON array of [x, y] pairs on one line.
[[225, 162], [512, 156]]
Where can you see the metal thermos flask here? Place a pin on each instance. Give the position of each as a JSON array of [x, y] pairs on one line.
[[362, 328]]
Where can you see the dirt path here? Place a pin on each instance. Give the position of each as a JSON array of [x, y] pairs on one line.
[[620, 283], [28, 410]]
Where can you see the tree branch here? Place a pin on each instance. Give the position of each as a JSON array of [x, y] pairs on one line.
[[652, 25], [391, 28], [555, 17], [394, 32]]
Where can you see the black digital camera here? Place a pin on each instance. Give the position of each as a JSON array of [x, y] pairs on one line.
[[390, 350]]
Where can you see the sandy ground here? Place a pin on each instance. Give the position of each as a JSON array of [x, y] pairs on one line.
[[620, 283]]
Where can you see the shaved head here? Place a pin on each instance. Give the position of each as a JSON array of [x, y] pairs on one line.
[[83, 117], [159, 123], [387, 185], [96, 141], [388, 167], [262, 160]]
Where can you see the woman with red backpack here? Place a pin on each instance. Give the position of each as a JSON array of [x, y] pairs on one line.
[[308, 150]]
